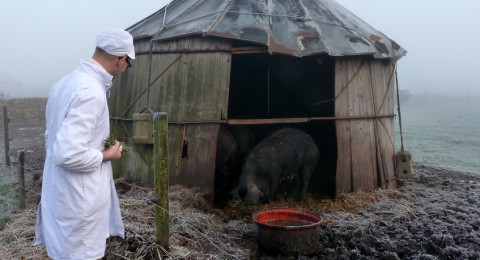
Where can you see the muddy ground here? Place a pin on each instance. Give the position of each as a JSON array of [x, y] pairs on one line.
[[435, 215]]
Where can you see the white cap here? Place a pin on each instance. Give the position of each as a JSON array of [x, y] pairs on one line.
[[116, 42]]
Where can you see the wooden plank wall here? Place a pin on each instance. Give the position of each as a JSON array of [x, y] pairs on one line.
[[365, 146], [190, 86], [383, 87], [138, 165]]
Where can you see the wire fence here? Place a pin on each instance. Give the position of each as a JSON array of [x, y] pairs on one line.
[[12, 173], [11, 176]]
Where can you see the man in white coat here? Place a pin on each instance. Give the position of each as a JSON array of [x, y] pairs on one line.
[[79, 207]]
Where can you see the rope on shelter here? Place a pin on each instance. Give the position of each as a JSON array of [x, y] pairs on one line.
[[394, 71], [344, 87]]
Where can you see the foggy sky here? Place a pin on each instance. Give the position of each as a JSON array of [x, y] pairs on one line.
[[44, 40]]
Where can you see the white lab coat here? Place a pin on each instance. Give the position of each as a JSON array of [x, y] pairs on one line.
[[79, 206]]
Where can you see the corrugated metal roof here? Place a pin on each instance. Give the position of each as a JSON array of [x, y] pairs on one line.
[[296, 27]]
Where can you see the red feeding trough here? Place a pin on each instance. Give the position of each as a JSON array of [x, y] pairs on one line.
[[287, 231]]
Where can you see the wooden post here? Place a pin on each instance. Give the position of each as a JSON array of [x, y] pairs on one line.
[[21, 177], [160, 168], [5, 133]]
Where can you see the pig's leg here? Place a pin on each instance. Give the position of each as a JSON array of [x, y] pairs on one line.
[[301, 184]]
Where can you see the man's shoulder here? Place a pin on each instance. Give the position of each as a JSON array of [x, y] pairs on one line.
[[83, 81]]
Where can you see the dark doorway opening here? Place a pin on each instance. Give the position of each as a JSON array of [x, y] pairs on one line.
[[274, 86], [264, 86]]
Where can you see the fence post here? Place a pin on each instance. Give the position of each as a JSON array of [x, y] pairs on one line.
[[160, 168], [7, 138], [21, 177]]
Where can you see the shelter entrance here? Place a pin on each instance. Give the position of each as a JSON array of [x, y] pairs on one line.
[[274, 86], [269, 92]]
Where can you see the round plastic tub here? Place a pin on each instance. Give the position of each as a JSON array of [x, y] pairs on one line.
[[287, 231]]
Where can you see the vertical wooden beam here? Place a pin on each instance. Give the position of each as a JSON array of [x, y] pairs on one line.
[[160, 141], [344, 156], [383, 84], [21, 177], [5, 133], [375, 101], [364, 166]]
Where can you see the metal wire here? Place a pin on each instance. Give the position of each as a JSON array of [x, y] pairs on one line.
[[14, 179], [12, 174], [196, 230]]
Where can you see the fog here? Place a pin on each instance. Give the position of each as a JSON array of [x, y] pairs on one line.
[[440, 36], [44, 40]]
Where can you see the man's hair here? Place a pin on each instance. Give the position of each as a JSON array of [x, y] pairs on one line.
[[103, 54]]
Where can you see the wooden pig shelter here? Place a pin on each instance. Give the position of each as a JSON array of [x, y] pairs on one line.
[[261, 65]]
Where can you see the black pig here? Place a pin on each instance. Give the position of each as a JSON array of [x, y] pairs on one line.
[[286, 154], [226, 148]]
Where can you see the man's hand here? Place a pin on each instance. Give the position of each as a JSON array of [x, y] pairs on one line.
[[112, 153]]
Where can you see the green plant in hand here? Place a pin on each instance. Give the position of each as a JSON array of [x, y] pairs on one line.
[[110, 141]]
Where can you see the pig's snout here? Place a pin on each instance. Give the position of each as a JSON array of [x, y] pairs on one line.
[[253, 196]]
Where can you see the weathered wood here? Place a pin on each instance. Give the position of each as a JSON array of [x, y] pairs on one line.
[[359, 97], [344, 160], [187, 92], [192, 97], [6, 120], [380, 167], [383, 85], [160, 158], [21, 177], [267, 121], [356, 139], [194, 88], [298, 119], [197, 168], [249, 50]]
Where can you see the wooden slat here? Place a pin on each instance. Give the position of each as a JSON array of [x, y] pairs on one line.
[[248, 50], [223, 69], [359, 104], [190, 102], [267, 121], [198, 168], [140, 82], [377, 79], [176, 83], [384, 86], [356, 139], [344, 174]]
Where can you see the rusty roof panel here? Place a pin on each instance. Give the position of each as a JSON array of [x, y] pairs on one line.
[[299, 28], [196, 19], [252, 24]]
